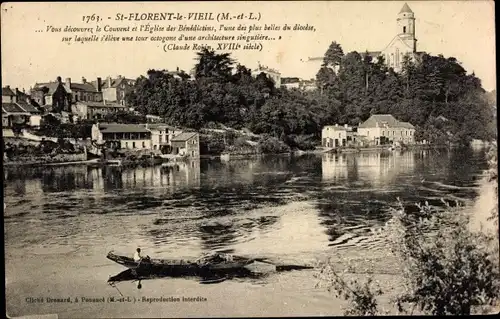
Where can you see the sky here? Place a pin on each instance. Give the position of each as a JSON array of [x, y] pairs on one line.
[[30, 54]]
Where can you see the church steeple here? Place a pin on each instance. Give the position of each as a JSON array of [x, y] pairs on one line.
[[406, 26], [406, 9]]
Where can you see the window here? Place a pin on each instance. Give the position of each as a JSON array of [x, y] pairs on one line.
[[340, 134], [404, 29], [393, 133], [126, 144], [143, 144], [133, 144]]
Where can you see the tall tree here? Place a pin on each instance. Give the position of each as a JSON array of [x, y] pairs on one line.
[[211, 64]]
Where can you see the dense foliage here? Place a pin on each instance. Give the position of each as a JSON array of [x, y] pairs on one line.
[[447, 269], [51, 126], [434, 93]]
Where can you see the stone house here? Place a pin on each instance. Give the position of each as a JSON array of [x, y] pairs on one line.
[[382, 129], [62, 95], [162, 135], [186, 144], [122, 136], [17, 109], [334, 136], [115, 90]]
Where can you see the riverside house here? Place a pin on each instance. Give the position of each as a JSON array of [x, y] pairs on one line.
[[334, 136], [122, 136], [161, 136], [382, 129], [147, 137], [186, 144]]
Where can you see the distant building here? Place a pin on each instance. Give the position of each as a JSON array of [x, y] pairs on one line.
[[17, 109], [334, 136], [186, 144], [122, 136], [401, 45], [61, 95], [273, 74], [298, 83], [115, 90], [382, 129], [290, 82], [96, 110]]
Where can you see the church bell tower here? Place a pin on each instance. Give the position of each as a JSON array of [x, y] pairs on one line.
[[406, 27]]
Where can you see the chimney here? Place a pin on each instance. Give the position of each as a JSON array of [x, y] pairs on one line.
[[99, 84], [59, 80], [68, 82], [109, 82], [8, 86], [84, 80]]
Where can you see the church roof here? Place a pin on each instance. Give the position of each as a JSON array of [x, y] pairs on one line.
[[405, 9]]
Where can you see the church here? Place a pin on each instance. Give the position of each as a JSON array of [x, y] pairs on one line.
[[404, 43]]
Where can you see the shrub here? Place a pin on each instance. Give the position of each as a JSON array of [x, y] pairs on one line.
[[272, 145], [447, 269]]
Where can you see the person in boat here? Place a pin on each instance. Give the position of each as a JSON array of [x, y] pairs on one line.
[[139, 259], [137, 255]]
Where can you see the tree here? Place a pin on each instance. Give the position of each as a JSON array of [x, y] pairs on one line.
[[333, 56], [211, 64]]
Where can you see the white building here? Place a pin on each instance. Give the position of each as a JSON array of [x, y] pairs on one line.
[[161, 135], [273, 74], [122, 136], [333, 136], [385, 129]]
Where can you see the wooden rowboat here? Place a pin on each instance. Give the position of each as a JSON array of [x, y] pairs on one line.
[[179, 267]]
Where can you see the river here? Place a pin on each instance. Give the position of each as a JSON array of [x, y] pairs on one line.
[[60, 222]]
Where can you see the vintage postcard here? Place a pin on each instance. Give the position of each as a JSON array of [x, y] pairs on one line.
[[259, 158]]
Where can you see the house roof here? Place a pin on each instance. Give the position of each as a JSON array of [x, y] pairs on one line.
[[115, 82], [13, 108], [382, 119], [183, 137], [6, 91], [122, 128], [159, 126], [52, 86], [405, 9], [28, 107], [335, 127]]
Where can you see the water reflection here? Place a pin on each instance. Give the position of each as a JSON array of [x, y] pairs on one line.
[[279, 205], [51, 179]]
